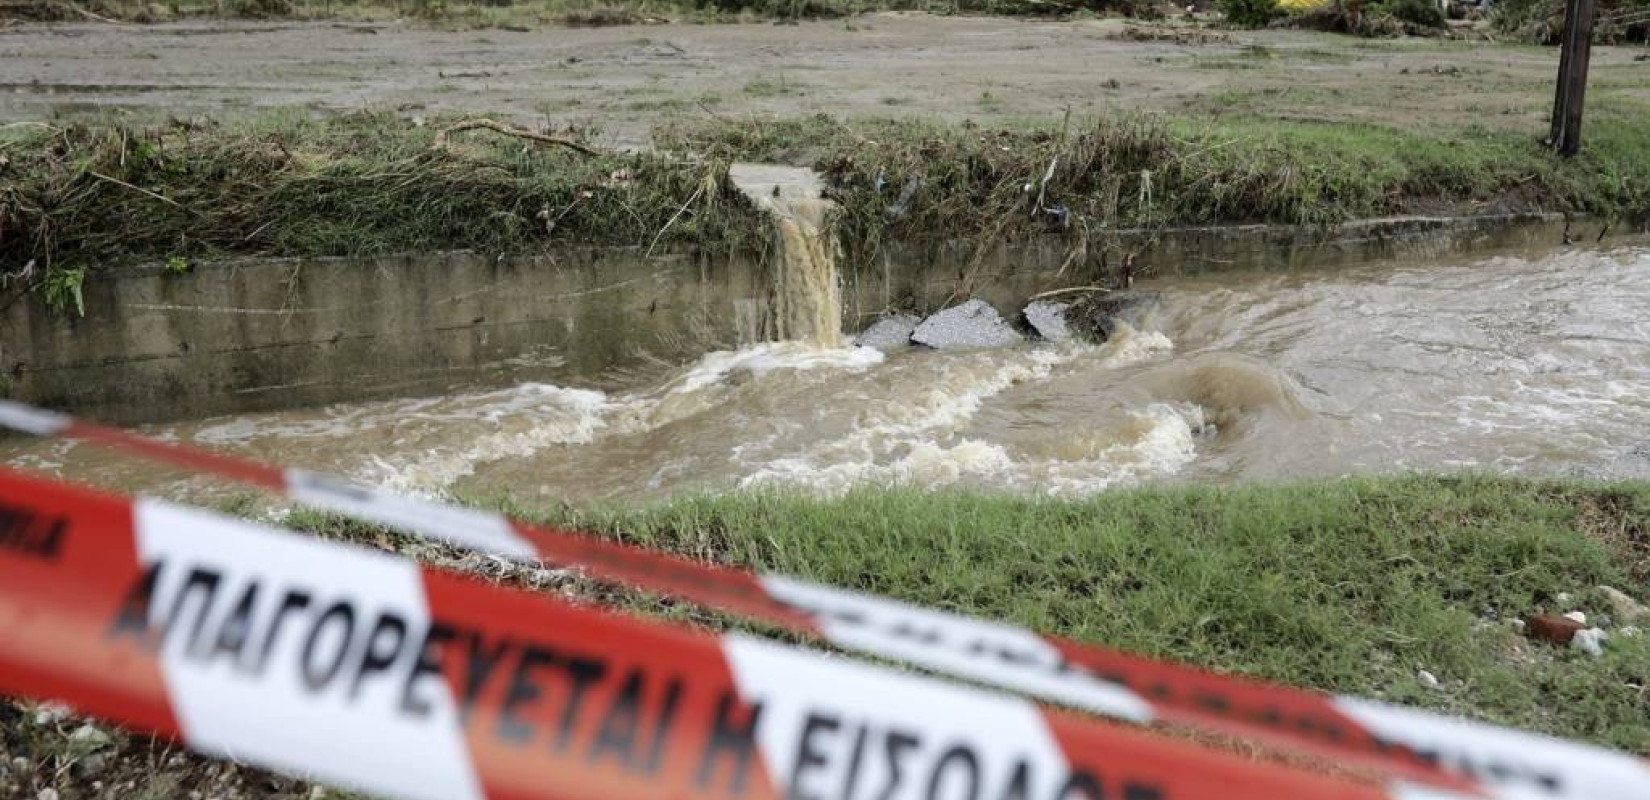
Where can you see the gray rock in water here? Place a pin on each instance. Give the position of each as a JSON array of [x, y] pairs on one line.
[[1095, 317], [1048, 319], [889, 333], [972, 324]]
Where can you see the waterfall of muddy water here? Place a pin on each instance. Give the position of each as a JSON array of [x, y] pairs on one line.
[[1533, 362], [807, 304], [807, 292]]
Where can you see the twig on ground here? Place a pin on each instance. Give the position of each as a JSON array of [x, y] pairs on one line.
[[672, 220], [1081, 251], [708, 110], [87, 14], [499, 127], [1068, 290], [23, 275], [254, 234], [1042, 185], [140, 190]]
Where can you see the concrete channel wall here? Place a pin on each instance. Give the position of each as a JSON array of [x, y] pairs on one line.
[[278, 333]]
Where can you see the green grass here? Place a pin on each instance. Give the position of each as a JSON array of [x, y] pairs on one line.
[[85, 197], [1349, 586], [1146, 172], [777, 86]]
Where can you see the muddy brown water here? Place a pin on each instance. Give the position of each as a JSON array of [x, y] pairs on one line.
[[1532, 362]]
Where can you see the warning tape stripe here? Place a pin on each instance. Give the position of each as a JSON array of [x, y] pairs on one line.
[[1441, 751], [362, 669]]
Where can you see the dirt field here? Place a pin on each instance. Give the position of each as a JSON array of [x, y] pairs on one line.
[[623, 80]]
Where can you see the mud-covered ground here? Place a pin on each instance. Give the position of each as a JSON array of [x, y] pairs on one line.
[[624, 80]]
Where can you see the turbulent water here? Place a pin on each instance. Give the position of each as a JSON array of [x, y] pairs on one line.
[[1530, 363]]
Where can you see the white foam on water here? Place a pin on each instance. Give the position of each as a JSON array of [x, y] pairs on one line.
[[917, 440], [398, 419], [1129, 346], [715, 368], [1166, 443], [1536, 365], [422, 446], [557, 417], [707, 384], [914, 434], [958, 395], [1163, 442]]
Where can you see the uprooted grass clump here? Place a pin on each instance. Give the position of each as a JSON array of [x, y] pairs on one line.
[[899, 179], [86, 196]]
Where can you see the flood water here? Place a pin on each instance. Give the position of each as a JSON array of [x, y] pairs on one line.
[[1534, 362]]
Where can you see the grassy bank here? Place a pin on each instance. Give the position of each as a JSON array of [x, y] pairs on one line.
[[86, 196], [1151, 171], [1350, 585]]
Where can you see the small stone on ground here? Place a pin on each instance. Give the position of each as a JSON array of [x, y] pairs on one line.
[[1590, 641], [1625, 607]]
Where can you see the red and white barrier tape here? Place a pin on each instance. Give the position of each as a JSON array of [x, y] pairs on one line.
[[358, 668], [1444, 752]]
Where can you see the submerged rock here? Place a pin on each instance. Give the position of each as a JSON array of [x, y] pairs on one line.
[[1097, 316], [889, 333], [1048, 319], [972, 324]]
